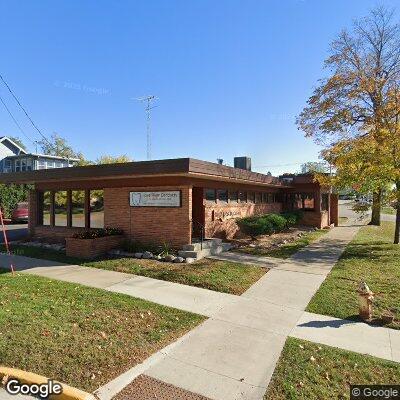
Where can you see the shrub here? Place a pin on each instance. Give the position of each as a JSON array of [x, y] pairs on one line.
[[255, 226], [135, 246], [262, 225], [292, 218], [11, 195], [98, 233], [278, 222]]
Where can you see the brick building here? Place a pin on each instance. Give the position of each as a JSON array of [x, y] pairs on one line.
[[170, 201]]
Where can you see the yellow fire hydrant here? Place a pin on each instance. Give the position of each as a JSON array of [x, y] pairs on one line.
[[365, 301]]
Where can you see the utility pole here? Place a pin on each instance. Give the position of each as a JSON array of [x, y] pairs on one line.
[[149, 107]]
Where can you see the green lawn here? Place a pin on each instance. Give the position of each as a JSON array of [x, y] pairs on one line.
[[220, 276], [370, 257], [286, 250], [388, 210], [81, 336], [328, 375]]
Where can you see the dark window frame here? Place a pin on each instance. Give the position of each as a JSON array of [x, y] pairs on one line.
[[244, 193], [223, 201], [251, 197], [236, 198], [214, 200], [40, 199]]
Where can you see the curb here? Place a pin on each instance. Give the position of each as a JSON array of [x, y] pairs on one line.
[[68, 393]]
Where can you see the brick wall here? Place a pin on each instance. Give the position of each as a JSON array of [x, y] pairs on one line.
[[149, 224], [334, 209], [92, 248], [220, 218], [318, 219], [54, 234], [32, 207]]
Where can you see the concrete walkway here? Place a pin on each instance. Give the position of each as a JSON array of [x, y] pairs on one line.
[[187, 298], [233, 354], [349, 335]]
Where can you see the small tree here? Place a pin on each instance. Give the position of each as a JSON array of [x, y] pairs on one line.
[[314, 167], [106, 159], [58, 146], [357, 97]]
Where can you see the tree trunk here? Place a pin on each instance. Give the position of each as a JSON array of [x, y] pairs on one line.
[[376, 208], [397, 228]]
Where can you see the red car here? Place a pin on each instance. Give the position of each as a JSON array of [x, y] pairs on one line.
[[20, 213]]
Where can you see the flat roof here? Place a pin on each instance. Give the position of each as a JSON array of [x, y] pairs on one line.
[[188, 167], [42, 156]]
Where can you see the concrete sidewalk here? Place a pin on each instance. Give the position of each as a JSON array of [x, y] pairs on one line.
[[233, 354], [349, 335], [187, 298]]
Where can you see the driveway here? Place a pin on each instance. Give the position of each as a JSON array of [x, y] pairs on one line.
[[14, 232]]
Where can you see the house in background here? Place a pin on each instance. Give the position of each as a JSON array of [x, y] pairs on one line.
[[13, 158]]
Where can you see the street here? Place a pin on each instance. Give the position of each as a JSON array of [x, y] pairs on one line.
[[14, 232]]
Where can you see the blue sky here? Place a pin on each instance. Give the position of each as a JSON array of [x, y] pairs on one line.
[[230, 75]]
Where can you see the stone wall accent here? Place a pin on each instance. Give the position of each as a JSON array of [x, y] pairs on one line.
[[92, 248], [220, 219]]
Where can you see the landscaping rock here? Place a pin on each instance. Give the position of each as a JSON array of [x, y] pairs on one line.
[[190, 260], [147, 255], [179, 260], [169, 258], [138, 255], [158, 258]]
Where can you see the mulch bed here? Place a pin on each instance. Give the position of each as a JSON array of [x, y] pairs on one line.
[[146, 388]]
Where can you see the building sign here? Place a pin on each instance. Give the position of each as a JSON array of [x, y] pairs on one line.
[[223, 215], [155, 199]]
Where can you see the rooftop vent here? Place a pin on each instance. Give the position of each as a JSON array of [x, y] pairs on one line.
[[242, 163]]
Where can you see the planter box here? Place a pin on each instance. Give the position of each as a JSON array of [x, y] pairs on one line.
[[92, 248]]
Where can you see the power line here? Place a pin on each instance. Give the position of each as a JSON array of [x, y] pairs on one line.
[[15, 121], [25, 112]]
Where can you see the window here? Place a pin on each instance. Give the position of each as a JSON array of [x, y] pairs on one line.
[[46, 208], [17, 165], [258, 198], [7, 166], [96, 209], [49, 164], [23, 164], [41, 164], [325, 202], [29, 164], [308, 201], [60, 208], [265, 197], [58, 164], [78, 208], [210, 195], [243, 197], [233, 197], [222, 195], [250, 197]]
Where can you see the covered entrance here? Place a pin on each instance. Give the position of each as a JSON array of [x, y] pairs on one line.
[[198, 214]]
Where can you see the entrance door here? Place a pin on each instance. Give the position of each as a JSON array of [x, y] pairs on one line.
[[197, 212]]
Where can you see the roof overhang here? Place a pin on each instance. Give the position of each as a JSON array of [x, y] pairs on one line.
[[185, 167]]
